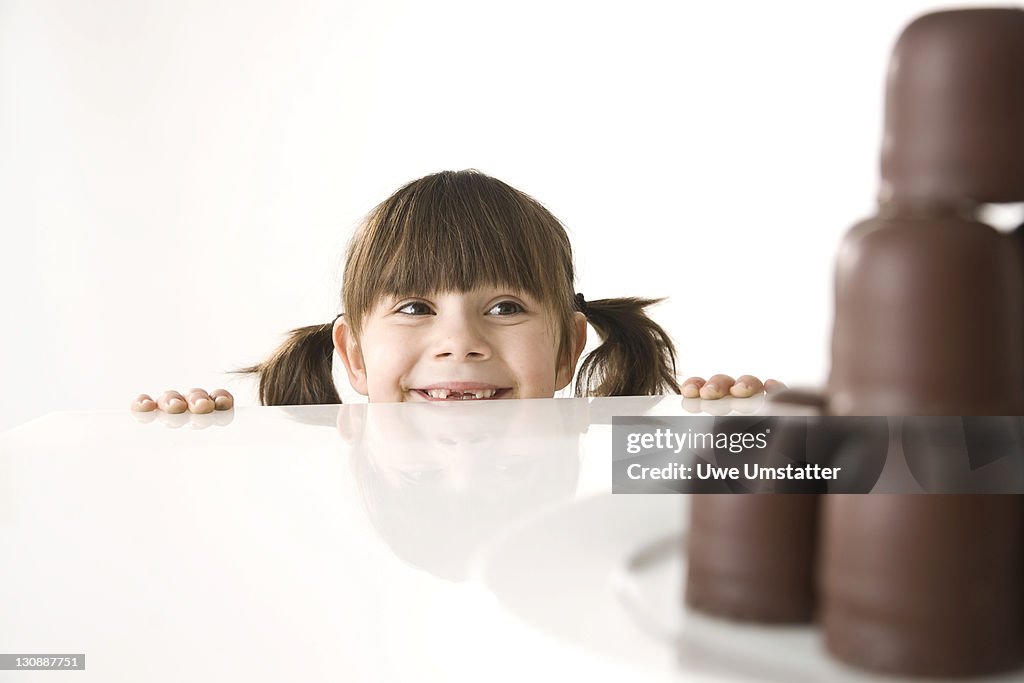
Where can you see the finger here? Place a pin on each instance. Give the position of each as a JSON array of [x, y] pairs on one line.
[[199, 402], [746, 386], [717, 387], [691, 387], [222, 398], [143, 403], [773, 386], [172, 402]]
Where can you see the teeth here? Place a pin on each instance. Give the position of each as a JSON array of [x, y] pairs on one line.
[[468, 395]]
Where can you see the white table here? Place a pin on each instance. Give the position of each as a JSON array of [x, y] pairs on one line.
[[315, 543]]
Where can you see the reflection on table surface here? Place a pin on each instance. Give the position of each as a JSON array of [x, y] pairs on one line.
[[303, 543]]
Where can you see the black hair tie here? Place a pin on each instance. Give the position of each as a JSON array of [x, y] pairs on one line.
[[581, 304]]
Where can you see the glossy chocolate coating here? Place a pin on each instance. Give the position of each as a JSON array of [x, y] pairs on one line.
[[955, 107], [751, 557], [929, 317], [929, 320], [925, 585]]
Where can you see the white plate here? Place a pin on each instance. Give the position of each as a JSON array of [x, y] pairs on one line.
[[605, 574]]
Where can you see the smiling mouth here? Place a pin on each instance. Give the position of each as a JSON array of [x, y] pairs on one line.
[[482, 394]]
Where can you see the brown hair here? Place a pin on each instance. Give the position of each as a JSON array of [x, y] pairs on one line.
[[455, 231]]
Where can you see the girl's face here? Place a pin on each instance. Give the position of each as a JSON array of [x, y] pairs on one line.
[[486, 344]]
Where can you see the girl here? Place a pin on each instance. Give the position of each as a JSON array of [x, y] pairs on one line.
[[460, 287]]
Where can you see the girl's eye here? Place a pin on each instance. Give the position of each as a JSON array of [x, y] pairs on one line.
[[415, 308], [506, 308]]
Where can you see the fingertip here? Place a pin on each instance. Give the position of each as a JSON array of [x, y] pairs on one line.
[[747, 386], [203, 405], [222, 398], [139, 402], [176, 405], [711, 391], [143, 404], [691, 387], [717, 387], [741, 390]]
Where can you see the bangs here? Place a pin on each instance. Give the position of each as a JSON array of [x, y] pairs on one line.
[[455, 232]]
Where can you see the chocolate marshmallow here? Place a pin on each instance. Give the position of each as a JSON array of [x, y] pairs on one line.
[[751, 557], [929, 317], [925, 585], [955, 107], [929, 320]]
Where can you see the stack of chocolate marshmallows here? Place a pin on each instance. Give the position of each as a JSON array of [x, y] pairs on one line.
[[929, 320]]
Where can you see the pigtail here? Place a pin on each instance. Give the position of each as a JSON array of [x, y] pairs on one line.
[[299, 372], [636, 358]]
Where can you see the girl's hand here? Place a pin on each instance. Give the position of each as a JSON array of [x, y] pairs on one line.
[[720, 386], [195, 400]]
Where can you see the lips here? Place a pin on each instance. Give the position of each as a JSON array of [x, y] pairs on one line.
[[462, 391]]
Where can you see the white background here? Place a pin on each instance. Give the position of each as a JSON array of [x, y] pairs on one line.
[[178, 180]]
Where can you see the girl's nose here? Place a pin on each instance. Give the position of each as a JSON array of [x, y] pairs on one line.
[[460, 339]]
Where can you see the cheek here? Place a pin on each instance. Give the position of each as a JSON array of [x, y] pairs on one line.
[[386, 365], [383, 369], [537, 366]]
